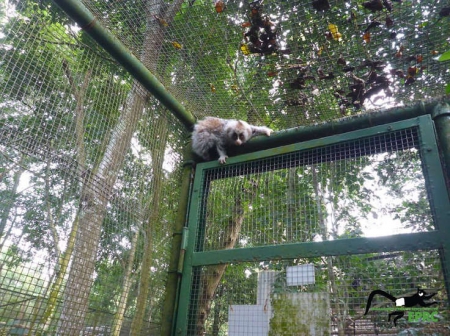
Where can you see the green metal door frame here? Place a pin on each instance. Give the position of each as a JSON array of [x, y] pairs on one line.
[[438, 239]]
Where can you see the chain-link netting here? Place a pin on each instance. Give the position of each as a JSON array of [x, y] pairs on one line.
[[89, 184]]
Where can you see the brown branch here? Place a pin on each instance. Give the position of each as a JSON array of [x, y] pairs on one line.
[[50, 218], [212, 275], [79, 94]]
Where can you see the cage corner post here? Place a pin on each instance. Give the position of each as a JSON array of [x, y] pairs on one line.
[[177, 252], [441, 117]]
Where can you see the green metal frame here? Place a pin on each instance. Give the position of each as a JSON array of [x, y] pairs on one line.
[[179, 245], [436, 187]]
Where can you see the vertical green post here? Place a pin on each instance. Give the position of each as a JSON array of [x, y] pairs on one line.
[[174, 277], [441, 116], [189, 285]]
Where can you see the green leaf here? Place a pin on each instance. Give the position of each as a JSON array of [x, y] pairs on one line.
[[447, 88], [445, 56]]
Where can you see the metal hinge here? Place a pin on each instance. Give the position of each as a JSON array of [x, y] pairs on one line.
[[184, 244]]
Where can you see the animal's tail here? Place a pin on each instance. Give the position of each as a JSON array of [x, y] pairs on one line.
[[379, 292]]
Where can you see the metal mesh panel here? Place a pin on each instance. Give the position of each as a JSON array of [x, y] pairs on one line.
[[320, 296], [213, 57], [346, 190], [89, 176]]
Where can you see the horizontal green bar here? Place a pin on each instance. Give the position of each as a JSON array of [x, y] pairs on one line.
[[310, 144], [401, 242], [338, 126]]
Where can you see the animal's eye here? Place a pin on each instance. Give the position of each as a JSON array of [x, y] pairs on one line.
[[241, 136], [234, 136]]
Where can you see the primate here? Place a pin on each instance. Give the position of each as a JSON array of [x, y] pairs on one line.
[[212, 136], [407, 301]]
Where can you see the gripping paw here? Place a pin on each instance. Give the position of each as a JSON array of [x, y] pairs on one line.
[[223, 159], [267, 131]]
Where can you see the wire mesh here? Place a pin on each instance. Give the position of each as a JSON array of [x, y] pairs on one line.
[[360, 188], [89, 171], [89, 176], [320, 296], [288, 63]]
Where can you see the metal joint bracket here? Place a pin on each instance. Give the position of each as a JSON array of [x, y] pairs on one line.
[[440, 110], [184, 244], [184, 238], [188, 163]]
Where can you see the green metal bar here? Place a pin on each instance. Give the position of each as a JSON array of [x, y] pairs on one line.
[[441, 116], [401, 242], [87, 21], [434, 240], [432, 165], [177, 252], [309, 144], [438, 183], [339, 126], [187, 280], [194, 260]]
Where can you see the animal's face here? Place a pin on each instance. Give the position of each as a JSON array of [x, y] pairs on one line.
[[238, 138], [238, 132]]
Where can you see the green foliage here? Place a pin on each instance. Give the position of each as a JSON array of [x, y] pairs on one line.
[[45, 62], [42, 53], [298, 312], [445, 57]]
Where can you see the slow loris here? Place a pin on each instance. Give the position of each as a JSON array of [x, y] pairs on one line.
[[212, 136]]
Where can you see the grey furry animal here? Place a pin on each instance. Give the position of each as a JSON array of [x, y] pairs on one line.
[[213, 135]]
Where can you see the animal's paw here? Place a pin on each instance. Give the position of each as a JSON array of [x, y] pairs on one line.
[[267, 131], [223, 159]]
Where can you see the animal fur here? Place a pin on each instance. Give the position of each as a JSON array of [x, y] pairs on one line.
[[212, 136]]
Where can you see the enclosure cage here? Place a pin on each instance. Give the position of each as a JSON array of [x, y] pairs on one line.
[[336, 224]]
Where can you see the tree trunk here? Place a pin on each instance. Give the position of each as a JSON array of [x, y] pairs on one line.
[[291, 206], [93, 209], [8, 204], [329, 260], [217, 309], [63, 264], [158, 150], [118, 317], [96, 197], [63, 259], [154, 38], [212, 275], [48, 209]]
